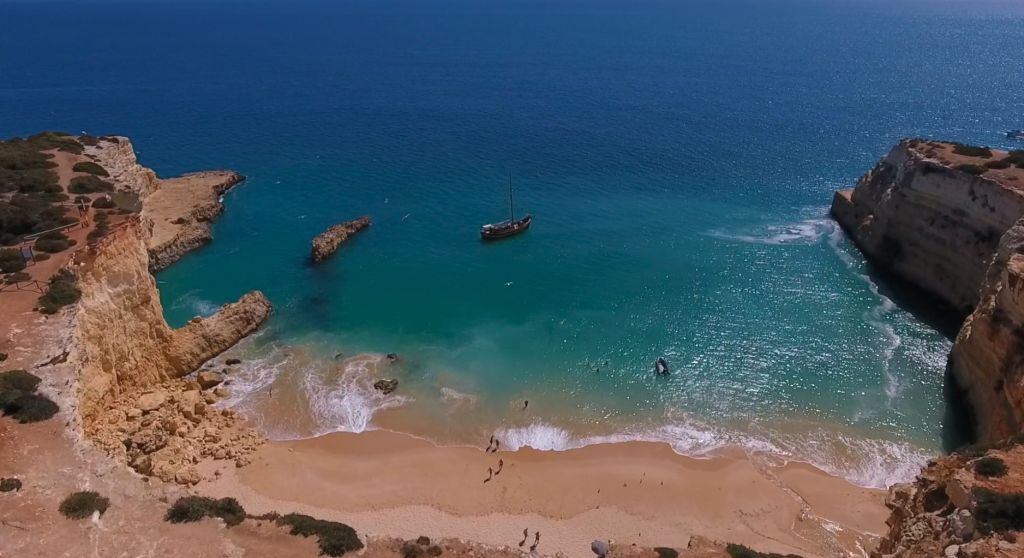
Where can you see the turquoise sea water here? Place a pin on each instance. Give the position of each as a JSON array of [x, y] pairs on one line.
[[679, 158]]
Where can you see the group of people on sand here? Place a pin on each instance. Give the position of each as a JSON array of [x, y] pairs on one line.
[[536, 539], [492, 447]]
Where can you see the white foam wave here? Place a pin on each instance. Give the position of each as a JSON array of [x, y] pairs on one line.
[[809, 231], [876, 316], [347, 402], [865, 462], [197, 305]]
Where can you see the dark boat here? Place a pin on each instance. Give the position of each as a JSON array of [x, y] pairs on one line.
[[660, 366], [508, 227], [1015, 134]]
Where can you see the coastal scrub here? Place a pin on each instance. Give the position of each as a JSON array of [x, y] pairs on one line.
[[81, 505], [61, 292], [19, 400], [335, 538], [194, 508], [740, 551]]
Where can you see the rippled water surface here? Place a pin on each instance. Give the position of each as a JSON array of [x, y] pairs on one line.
[[679, 158]]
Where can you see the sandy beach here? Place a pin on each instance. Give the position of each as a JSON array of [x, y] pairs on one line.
[[631, 493]]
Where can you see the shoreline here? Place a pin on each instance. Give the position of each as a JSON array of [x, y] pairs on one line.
[[640, 493]]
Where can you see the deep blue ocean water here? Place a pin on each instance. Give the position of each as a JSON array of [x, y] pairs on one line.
[[679, 158]]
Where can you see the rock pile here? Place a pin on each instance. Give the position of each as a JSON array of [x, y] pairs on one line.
[[165, 431]]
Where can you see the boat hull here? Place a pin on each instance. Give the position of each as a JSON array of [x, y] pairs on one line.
[[497, 232]]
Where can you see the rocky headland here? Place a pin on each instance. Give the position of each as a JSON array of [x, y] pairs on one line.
[[328, 242], [947, 218]]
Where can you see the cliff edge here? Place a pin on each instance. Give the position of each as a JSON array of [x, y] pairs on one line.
[[944, 216]]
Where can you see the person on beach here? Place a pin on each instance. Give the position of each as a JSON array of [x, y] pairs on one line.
[[489, 444], [490, 475], [526, 533], [526, 404], [497, 444], [536, 542], [501, 463]]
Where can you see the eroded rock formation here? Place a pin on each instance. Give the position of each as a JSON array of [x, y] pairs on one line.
[[181, 210], [328, 242], [117, 156], [128, 358], [966, 505]]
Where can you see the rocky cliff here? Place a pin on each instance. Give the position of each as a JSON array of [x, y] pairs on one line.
[[966, 505], [117, 156], [327, 242], [181, 210], [944, 217], [120, 339], [924, 214]]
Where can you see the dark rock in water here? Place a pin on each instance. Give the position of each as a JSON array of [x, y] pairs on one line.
[[339, 356], [600, 548], [386, 386], [392, 357], [233, 361]]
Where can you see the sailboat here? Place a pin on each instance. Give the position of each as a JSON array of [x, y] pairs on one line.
[[509, 227]]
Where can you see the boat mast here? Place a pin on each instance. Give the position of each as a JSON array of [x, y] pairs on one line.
[[511, 211]]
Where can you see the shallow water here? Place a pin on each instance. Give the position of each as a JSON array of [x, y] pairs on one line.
[[679, 158]]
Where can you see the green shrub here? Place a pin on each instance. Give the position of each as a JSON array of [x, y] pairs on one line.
[[11, 261], [81, 505], [104, 203], [335, 538], [971, 151], [740, 551], [193, 508], [976, 170], [61, 141], [3, 357], [664, 552], [1016, 158], [86, 139], [990, 467], [10, 485], [19, 380], [27, 407], [1000, 164], [16, 277], [998, 512], [89, 184], [100, 231], [60, 293], [90, 167], [40, 257], [52, 242]]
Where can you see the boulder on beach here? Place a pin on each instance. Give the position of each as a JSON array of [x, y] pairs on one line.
[[208, 378], [328, 241]]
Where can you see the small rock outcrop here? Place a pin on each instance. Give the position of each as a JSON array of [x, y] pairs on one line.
[[387, 387], [328, 242]]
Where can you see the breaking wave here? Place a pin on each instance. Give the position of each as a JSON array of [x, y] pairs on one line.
[[348, 402], [809, 231], [865, 462]]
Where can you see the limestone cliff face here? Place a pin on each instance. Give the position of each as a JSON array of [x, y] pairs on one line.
[[117, 156], [920, 217], [987, 359], [120, 340], [956, 235]]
